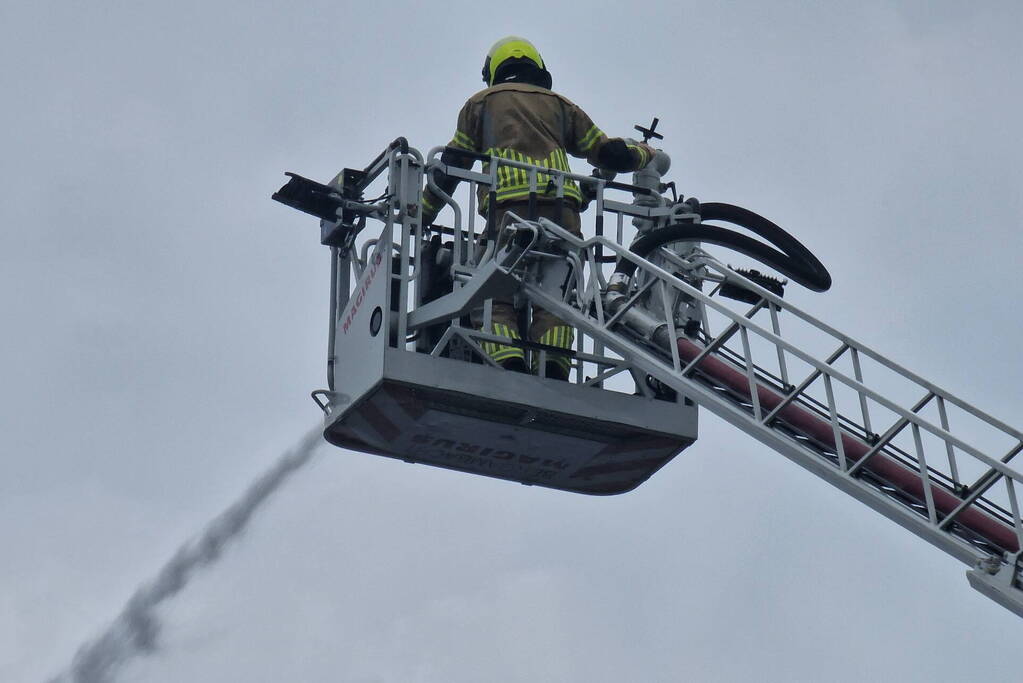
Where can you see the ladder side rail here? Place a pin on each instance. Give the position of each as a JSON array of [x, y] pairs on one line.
[[947, 504], [869, 352], [769, 336], [834, 373], [730, 412], [902, 425], [861, 389]]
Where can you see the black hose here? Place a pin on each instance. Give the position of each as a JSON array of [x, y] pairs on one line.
[[790, 258]]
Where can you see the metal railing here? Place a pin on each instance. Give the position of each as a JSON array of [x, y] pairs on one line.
[[472, 246]]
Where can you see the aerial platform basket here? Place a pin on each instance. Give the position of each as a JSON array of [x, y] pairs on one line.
[[409, 380]]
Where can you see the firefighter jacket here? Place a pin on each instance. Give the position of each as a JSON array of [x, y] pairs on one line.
[[530, 124]]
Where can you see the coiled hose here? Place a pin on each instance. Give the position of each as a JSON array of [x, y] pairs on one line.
[[790, 257]]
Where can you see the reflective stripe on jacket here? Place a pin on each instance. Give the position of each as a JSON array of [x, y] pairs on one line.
[[530, 124]]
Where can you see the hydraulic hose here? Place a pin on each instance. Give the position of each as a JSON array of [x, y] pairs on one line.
[[790, 257]]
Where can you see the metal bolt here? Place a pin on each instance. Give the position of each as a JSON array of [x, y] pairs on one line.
[[990, 565]]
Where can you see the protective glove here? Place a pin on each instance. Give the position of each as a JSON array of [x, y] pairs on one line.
[[615, 155]]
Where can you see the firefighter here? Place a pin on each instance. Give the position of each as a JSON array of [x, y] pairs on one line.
[[519, 117]]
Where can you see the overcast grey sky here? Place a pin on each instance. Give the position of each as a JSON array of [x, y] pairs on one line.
[[164, 322]]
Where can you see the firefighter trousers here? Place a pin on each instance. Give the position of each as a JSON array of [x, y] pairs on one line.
[[545, 327]]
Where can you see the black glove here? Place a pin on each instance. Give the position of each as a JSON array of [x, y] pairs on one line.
[[616, 156]]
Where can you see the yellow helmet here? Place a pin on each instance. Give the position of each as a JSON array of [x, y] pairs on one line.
[[508, 48]]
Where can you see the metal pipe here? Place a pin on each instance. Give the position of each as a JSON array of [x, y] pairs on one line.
[[333, 317]]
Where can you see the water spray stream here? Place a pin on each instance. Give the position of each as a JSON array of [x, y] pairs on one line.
[[135, 631]]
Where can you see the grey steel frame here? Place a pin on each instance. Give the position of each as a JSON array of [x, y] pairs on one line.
[[995, 574], [626, 341]]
